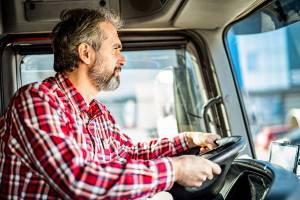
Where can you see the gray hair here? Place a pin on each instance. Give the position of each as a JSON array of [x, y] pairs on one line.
[[79, 26]]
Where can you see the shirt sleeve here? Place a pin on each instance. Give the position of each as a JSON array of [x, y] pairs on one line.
[[44, 135], [156, 148]]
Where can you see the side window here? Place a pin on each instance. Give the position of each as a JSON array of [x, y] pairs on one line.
[[158, 95], [265, 54], [36, 68]]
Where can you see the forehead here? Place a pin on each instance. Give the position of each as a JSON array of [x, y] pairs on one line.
[[109, 31]]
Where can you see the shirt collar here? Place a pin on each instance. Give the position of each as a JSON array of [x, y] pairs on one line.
[[71, 92], [96, 108], [93, 109]]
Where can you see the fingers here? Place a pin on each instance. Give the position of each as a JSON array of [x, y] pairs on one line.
[[201, 180], [210, 177], [204, 149], [208, 140], [202, 139], [193, 171], [208, 171], [211, 138], [216, 169], [210, 146]]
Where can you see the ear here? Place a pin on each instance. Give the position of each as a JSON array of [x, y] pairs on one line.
[[86, 53]]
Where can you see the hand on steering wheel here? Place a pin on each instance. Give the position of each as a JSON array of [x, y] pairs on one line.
[[228, 148], [188, 175], [205, 141]]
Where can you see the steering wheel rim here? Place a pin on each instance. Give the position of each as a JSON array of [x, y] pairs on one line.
[[227, 147], [223, 155]]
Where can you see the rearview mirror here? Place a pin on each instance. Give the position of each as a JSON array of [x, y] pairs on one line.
[[274, 16], [258, 23]]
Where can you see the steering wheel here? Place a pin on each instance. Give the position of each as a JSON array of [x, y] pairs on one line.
[[224, 154]]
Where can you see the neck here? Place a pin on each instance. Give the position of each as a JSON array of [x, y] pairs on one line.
[[82, 83]]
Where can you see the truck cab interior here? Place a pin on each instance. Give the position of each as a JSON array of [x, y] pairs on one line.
[[231, 67]]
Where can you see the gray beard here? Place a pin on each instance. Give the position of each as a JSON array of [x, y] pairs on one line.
[[112, 84], [104, 82]]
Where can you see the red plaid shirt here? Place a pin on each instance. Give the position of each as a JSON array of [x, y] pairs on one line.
[[54, 145]]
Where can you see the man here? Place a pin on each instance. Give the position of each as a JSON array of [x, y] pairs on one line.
[[59, 142]]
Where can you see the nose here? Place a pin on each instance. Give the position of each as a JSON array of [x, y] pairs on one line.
[[122, 60]]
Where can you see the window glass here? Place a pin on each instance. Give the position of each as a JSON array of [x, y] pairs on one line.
[[36, 68], [158, 95], [265, 53]]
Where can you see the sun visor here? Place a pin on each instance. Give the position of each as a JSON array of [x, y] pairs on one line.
[[42, 15], [27, 16]]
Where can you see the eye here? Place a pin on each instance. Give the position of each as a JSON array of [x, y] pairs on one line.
[[117, 47]]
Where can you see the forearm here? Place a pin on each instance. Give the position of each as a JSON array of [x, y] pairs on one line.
[[160, 148]]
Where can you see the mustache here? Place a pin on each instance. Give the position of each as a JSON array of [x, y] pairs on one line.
[[118, 69]]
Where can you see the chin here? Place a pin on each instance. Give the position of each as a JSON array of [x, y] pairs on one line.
[[113, 84]]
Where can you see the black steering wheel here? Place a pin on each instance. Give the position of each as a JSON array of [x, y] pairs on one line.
[[224, 154]]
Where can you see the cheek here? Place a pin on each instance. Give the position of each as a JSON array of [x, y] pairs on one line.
[[110, 59], [112, 62]]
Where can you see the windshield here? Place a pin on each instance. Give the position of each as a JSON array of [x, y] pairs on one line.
[[264, 50]]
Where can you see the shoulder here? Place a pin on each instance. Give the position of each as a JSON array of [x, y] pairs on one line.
[[33, 93]]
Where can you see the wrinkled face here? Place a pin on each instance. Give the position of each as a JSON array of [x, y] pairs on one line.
[[105, 73]]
